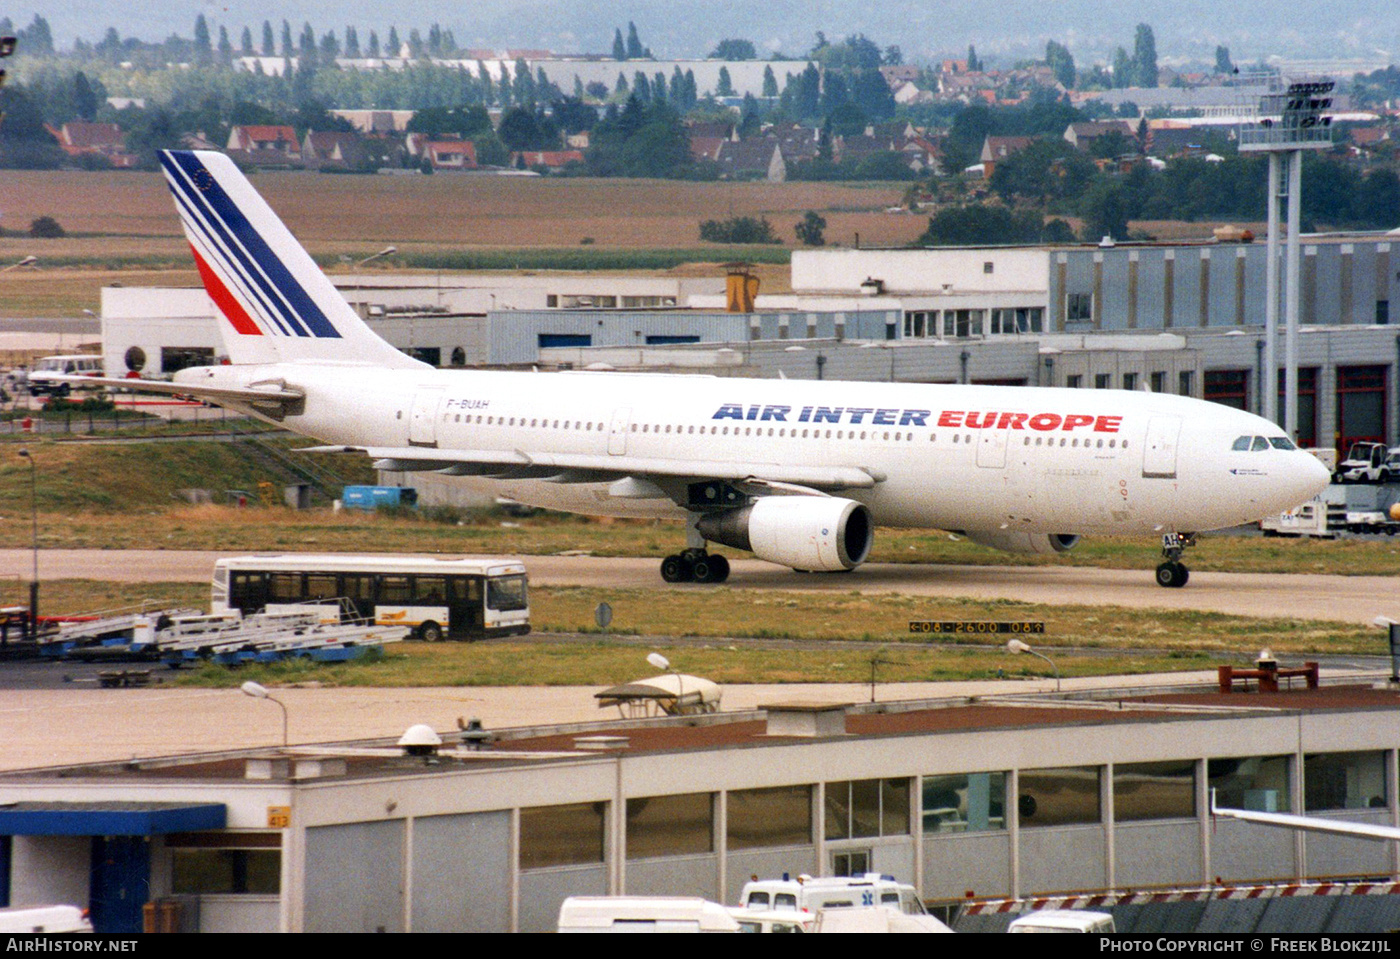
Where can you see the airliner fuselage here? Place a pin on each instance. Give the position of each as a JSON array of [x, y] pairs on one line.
[[798, 472], [944, 456]]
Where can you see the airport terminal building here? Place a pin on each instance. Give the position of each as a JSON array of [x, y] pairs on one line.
[[1183, 318], [967, 799]]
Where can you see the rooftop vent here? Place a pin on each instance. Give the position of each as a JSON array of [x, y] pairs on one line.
[[474, 735], [806, 720], [420, 740]]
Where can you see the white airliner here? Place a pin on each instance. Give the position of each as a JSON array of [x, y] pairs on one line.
[[798, 472]]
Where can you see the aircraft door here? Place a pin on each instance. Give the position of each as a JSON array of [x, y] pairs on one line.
[[617, 432], [1159, 450], [422, 422], [991, 443]]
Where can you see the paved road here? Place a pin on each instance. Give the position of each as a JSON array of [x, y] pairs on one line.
[[1357, 599], [49, 720], [79, 722]]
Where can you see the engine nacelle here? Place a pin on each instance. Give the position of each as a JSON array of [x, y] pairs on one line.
[[803, 532], [1011, 541]]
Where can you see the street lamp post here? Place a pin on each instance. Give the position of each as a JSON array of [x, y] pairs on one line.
[[387, 251], [1016, 646], [259, 691], [664, 664], [34, 521]]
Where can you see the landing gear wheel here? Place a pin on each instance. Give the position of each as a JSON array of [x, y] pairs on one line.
[[677, 569], [694, 566], [1172, 575]]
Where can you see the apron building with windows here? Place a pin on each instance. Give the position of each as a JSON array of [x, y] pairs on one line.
[[999, 797]]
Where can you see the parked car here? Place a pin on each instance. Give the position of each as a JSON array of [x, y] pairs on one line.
[[52, 375], [643, 914], [30, 919], [1063, 920]]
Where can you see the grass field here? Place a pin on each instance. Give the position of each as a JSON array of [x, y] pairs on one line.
[[123, 496], [604, 664], [107, 517], [856, 626], [81, 482], [466, 210], [123, 228]]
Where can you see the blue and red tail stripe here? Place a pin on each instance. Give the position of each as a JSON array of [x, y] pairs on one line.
[[209, 234], [226, 302], [242, 253]]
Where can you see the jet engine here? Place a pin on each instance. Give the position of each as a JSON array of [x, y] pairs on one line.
[[1011, 541], [803, 532]]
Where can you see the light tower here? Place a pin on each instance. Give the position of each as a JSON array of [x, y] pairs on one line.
[[1290, 122]]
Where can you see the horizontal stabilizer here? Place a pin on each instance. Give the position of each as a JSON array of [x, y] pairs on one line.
[[273, 399]]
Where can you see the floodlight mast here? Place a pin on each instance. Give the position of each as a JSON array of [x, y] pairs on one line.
[[1291, 121]]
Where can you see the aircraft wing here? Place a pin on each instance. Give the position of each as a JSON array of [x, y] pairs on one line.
[[272, 398], [1312, 823], [589, 467]]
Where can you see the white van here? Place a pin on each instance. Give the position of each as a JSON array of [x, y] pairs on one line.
[[49, 375], [864, 919], [831, 892], [1063, 920], [773, 920], [27, 919], [644, 914]]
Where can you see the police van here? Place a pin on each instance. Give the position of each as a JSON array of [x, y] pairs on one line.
[[806, 894]]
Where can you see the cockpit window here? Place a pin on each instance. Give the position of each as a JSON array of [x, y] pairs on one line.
[[1260, 444], [1241, 443], [1282, 443]]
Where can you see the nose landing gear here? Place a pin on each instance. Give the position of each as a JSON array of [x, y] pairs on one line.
[[1172, 573]]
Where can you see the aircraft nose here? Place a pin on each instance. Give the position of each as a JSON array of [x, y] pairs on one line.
[[1310, 477]]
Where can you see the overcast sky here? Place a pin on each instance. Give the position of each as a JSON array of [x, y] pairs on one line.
[[685, 28]]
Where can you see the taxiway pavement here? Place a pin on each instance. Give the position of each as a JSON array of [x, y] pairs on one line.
[[1353, 599]]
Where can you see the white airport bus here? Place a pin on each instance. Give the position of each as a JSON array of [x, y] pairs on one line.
[[438, 598]]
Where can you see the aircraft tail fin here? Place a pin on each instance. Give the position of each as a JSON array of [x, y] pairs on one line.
[[276, 304]]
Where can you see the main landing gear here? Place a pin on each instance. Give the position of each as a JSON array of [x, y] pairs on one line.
[[1172, 573], [694, 566]]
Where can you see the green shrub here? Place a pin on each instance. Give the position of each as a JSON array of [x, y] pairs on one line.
[[738, 229], [46, 228]]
